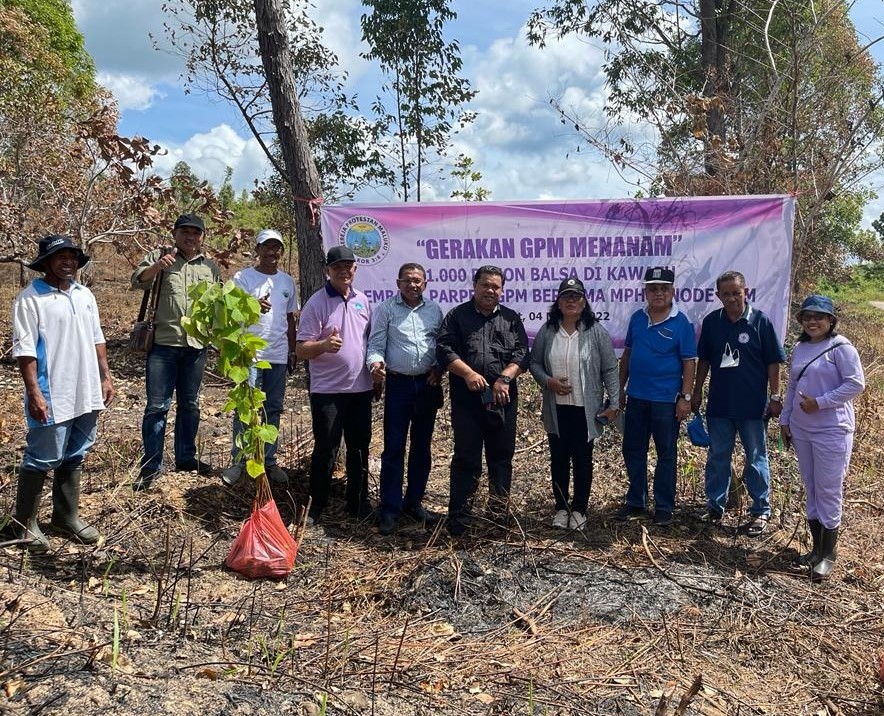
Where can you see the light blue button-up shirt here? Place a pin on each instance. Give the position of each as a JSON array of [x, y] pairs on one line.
[[404, 338]]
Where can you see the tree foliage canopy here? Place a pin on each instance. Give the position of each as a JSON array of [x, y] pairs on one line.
[[738, 97], [423, 82]]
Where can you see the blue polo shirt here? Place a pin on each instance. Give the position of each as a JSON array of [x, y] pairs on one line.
[[657, 351], [738, 354]]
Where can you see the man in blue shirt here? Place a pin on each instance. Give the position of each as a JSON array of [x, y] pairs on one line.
[[656, 375], [740, 347], [402, 354]]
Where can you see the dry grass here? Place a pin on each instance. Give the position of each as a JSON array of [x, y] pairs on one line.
[[514, 619]]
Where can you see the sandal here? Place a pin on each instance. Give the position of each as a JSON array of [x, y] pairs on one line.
[[757, 526]]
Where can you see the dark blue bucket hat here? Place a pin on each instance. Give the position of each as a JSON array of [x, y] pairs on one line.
[[53, 244], [697, 432], [818, 303]]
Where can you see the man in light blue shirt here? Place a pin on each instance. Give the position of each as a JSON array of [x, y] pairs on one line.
[[402, 355]]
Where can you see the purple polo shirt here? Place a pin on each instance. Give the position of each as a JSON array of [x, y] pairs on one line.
[[344, 371]]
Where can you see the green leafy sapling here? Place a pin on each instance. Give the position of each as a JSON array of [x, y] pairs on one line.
[[220, 316]]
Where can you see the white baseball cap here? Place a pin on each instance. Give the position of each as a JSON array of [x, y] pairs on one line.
[[267, 235]]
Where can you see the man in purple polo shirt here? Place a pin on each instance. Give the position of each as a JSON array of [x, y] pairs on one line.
[[333, 337]]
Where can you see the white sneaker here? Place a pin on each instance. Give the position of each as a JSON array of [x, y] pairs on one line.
[[560, 520], [232, 475], [576, 521], [276, 474]]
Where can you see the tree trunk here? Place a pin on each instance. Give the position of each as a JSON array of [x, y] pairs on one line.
[[300, 168], [715, 18]]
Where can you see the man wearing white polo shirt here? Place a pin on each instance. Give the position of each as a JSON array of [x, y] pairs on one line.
[[333, 336], [60, 349]]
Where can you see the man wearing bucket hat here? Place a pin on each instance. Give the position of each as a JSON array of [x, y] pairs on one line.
[[656, 375], [333, 337], [60, 350], [739, 346], [275, 291], [177, 361], [825, 376]]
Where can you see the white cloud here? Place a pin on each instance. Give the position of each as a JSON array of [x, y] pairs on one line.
[[130, 91], [210, 153]]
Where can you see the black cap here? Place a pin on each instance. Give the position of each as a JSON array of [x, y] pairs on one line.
[[53, 244], [190, 220], [659, 274], [339, 253], [571, 285]]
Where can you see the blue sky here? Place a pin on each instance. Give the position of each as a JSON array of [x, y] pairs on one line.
[[517, 141]]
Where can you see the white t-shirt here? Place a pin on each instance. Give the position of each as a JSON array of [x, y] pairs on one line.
[[60, 329], [273, 325]]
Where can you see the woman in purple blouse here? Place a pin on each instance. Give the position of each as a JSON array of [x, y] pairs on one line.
[[825, 376]]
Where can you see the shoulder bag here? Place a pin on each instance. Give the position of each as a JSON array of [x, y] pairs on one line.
[[141, 338]]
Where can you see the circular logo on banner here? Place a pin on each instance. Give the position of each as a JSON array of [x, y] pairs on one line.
[[743, 338], [367, 237]]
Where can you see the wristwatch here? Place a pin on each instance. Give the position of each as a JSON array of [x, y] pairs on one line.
[[505, 379], [685, 396], [776, 398]]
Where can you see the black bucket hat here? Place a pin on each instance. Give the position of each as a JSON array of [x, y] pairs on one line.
[[53, 244]]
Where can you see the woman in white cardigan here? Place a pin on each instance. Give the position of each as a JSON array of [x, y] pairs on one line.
[[573, 361]]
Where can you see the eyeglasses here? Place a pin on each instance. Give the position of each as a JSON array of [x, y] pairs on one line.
[[570, 297]]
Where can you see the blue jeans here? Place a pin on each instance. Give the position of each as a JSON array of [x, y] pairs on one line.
[[50, 446], [756, 473], [403, 406], [272, 381], [171, 369], [645, 419]]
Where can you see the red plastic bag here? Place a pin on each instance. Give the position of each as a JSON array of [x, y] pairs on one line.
[[264, 547]]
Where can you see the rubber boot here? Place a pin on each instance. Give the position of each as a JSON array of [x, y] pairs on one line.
[[812, 557], [822, 570], [27, 505], [66, 505]]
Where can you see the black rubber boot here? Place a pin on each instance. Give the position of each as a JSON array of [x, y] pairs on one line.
[[811, 558], [27, 505], [66, 505], [822, 570]]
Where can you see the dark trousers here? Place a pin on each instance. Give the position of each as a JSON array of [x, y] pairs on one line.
[[336, 414], [406, 403], [474, 428], [645, 419], [571, 448]]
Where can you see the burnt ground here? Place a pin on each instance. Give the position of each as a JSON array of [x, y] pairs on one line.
[[514, 618]]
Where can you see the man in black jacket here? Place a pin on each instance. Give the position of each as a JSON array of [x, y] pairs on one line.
[[484, 347]]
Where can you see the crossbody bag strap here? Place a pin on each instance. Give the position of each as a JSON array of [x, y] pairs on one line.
[[151, 297], [807, 365]]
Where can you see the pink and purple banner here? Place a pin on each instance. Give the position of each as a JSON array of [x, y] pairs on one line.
[[606, 244]]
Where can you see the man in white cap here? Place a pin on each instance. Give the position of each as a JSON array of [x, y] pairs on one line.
[[275, 291], [60, 349]]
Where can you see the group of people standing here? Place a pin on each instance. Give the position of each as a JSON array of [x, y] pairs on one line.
[[400, 350]]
